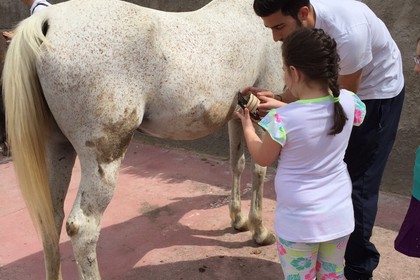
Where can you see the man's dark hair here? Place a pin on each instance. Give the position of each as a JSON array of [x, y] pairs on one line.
[[264, 8]]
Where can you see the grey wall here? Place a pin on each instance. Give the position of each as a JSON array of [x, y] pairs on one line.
[[403, 21], [12, 11]]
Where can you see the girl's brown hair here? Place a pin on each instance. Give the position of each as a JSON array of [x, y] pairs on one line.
[[314, 53]]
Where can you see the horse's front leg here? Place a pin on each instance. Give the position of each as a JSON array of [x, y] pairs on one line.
[[260, 234], [237, 165], [98, 180]]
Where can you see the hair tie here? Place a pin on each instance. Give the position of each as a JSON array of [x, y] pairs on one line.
[[336, 99]]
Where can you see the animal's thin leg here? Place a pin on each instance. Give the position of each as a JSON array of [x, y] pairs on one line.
[[61, 157], [4, 148], [260, 234], [97, 186], [237, 164]]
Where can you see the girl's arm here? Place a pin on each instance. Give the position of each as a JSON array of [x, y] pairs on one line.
[[265, 151]]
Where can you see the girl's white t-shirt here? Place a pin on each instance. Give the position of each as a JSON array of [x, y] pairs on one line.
[[312, 184]]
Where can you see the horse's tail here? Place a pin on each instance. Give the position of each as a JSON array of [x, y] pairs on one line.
[[27, 122]]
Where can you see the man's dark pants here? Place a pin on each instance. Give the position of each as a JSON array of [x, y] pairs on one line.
[[366, 156]]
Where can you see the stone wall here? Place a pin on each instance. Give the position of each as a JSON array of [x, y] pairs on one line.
[[403, 21], [12, 11]]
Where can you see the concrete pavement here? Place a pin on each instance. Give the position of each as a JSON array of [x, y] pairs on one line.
[[169, 219]]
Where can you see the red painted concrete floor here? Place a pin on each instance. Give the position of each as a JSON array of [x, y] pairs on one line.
[[169, 219]]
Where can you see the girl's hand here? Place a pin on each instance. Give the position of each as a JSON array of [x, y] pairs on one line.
[[267, 103], [264, 94], [246, 120]]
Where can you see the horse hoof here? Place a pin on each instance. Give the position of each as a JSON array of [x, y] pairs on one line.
[[240, 225], [4, 149], [264, 241]]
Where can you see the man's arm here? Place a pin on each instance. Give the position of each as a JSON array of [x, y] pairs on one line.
[[7, 35], [286, 96], [351, 82]]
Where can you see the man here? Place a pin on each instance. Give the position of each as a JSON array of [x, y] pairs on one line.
[[35, 6], [371, 66]]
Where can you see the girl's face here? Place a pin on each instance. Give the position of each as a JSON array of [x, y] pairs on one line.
[[417, 65]]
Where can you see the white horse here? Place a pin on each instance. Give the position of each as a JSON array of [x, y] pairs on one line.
[[82, 76]]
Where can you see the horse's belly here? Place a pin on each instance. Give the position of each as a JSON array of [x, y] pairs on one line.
[[186, 126]]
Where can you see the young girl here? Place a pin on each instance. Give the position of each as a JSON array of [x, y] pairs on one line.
[[314, 213]]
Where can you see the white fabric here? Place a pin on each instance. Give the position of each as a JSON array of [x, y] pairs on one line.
[[38, 5], [313, 187], [363, 42]]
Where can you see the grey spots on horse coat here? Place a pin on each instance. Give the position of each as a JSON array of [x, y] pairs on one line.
[[91, 261]]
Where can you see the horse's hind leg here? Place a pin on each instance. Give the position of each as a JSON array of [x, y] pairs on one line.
[[61, 158], [4, 147], [260, 234], [97, 186], [100, 161]]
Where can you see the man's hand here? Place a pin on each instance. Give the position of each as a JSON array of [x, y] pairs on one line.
[[253, 90], [7, 35]]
